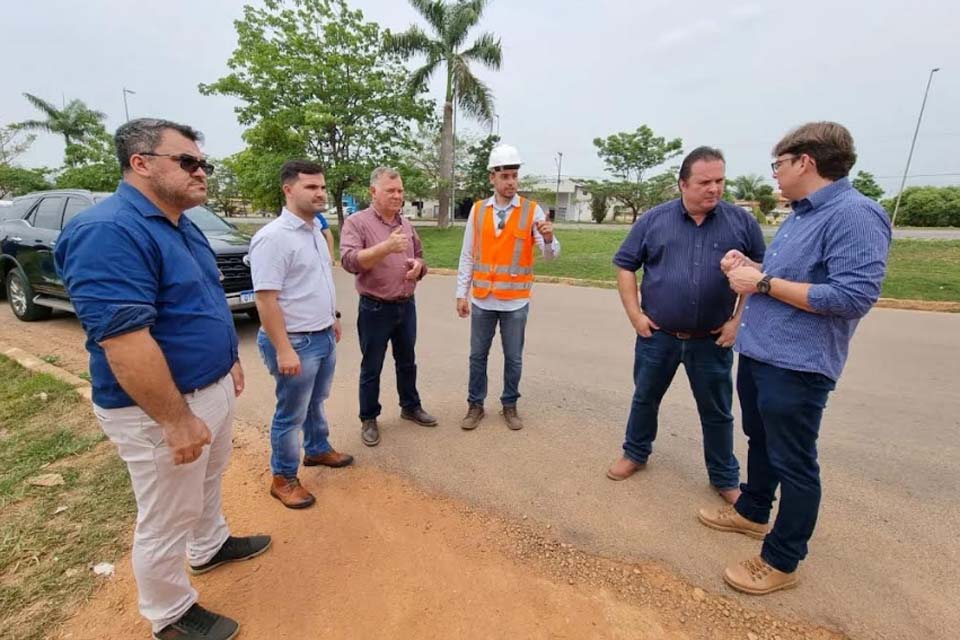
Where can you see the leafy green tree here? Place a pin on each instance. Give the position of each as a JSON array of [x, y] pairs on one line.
[[629, 156], [476, 182], [76, 122], [223, 188], [91, 163], [927, 207], [451, 23], [420, 164], [314, 81], [16, 181], [866, 184]]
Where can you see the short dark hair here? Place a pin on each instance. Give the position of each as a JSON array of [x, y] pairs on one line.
[[700, 153], [143, 135], [828, 143], [291, 170]]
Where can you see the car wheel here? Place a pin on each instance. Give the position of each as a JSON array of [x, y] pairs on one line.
[[20, 295]]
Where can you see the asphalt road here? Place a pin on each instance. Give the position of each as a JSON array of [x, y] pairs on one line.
[[884, 558]]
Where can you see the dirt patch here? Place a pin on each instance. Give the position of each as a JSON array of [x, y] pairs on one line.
[[378, 558]]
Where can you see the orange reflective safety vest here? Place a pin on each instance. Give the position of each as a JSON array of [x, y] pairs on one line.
[[503, 265]]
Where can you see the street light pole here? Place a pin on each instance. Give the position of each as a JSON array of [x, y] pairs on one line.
[[126, 109], [559, 166], [903, 182]]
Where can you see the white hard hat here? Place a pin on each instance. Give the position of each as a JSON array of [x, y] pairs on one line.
[[503, 155]]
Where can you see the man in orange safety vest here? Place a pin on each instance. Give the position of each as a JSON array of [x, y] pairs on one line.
[[495, 279]]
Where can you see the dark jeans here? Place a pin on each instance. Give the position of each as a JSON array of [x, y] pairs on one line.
[[483, 326], [708, 367], [781, 418], [377, 324]]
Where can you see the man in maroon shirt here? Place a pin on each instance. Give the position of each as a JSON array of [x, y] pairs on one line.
[[382, 249]]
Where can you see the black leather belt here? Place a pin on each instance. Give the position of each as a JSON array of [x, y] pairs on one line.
[[309, 333], [382, 301]]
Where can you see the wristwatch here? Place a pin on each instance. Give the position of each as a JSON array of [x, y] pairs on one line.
[[336, 314], [763, 286]]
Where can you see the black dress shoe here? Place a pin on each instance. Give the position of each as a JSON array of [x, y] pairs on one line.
[[419, 416], [370, 432]]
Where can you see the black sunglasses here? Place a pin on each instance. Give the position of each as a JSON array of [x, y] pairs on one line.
[[187, 162]]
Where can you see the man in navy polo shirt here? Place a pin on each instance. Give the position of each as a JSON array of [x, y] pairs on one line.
[[164, 366], [822, 273], [686, 313]]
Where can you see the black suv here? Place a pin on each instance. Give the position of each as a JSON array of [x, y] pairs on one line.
[[29, 230]]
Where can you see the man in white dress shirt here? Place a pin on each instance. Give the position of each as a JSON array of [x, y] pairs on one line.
[[297, 301]]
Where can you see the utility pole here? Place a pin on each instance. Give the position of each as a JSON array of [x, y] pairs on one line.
[[126, 110], [903, 182], [556, 207]]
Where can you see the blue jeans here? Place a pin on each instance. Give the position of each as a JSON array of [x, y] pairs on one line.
[[483, 325], [300, 399], [377, 324], [781, 418], [708, 367]]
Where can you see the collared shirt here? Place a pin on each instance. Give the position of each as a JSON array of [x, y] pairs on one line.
[[683, 288], [465, 272], [837, 240], [126, 267], [290, 256], [386, 279]]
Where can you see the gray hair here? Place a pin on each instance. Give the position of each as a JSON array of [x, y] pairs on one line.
[[143, 136], [380, 172]]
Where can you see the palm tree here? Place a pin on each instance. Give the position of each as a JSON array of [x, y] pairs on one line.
[[76, 122], [747, 187], [450, 22]]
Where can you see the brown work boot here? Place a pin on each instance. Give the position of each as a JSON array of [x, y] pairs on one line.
[[329, 459], [623, 469], [472, 419], [727, 518], [756, 577], [511, 418], [291, 493]]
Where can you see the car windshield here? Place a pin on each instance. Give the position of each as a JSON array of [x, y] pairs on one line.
[[208, 221]]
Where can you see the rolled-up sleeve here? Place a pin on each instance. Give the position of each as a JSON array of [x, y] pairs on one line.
[[267, 262], [110, 277], [351, 243], [855, 261]]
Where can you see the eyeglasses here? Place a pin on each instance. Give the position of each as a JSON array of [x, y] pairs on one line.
[[775, 165], [187, 162]]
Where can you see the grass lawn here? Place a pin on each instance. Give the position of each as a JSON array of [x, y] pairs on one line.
[[46, 550], [917, 269]]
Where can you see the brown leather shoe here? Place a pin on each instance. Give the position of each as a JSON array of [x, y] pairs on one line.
[[623, 469], [331, 458], [472, 419], [419, 416], [756, 577], [727, 518], [511, 418], [291, 493]]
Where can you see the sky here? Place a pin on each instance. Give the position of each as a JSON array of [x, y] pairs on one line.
[[736, 75]]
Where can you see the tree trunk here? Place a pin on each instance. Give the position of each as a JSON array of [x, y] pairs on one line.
[[446, 165], [338, 195]]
